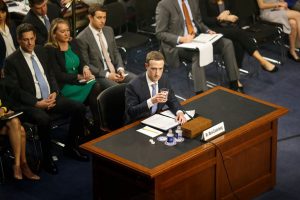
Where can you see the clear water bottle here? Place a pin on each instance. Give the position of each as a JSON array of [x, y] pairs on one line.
[[170, 138], [178, 134]]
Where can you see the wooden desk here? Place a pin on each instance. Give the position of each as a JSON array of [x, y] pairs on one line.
[[127, 166]]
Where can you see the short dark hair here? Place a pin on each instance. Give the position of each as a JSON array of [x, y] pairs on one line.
[[154, 55], [35, 2], [96, 7], [23, 28]]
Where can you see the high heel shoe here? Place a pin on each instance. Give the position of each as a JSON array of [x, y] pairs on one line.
[[275, 69], [28, 173], [289, 55], [17, 172]]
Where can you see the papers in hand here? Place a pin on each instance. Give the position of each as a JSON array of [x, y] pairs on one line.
[[203, 43], [161, 122], [147, 130]]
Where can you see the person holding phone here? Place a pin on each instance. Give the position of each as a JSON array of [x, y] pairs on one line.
[[73, 76]]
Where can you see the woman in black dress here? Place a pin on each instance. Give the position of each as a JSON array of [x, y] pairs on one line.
[[216, 14]]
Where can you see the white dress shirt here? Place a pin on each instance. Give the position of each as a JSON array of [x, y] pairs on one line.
[[9, 44]]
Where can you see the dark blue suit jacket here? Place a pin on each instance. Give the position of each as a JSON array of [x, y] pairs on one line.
[[18, 73], [136, 96]]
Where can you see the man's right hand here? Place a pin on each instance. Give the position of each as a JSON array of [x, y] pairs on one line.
[[159, 98], [45, 104], [115, 77], [186, 38]]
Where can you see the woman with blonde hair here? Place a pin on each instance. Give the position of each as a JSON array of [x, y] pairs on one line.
[[72, 74]]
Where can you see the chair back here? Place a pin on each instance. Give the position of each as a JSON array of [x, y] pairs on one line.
[[111, 106], [116, 17], [145, 12]]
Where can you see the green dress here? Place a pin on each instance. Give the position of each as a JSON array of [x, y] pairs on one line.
[[75, 92]]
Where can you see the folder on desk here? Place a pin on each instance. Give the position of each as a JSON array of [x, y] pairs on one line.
[[160, 122]]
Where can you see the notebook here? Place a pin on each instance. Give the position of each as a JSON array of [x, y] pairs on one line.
[[161, 122]]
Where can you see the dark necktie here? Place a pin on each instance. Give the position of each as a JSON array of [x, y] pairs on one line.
[[188, 20], [40, 78], [106, 56], [154, 107], [47, 22]]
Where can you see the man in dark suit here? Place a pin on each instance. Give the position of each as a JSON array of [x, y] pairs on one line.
[[40, 15], [105, 63], [28, 68], [172, 29], [142, 96]]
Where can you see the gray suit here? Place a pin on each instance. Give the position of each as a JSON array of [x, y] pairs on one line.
[[170, 25], [92, 56]]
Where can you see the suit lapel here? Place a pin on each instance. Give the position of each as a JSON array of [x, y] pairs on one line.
[[93, 42], [179, 13], [25, 68]]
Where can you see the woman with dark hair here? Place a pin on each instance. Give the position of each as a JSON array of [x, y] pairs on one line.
[[217, 15], [15, 131], [8, 39], [73, 76]]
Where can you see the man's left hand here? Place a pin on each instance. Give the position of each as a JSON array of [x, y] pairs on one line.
[[180, 118]]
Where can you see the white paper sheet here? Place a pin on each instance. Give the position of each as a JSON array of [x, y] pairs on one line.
[[161, 122], [152, 132], [205, 48]]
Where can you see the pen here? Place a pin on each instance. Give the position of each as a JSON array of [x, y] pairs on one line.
[[213, 37]]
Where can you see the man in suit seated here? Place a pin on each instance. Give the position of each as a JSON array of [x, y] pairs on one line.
[[29, 69], [141, 96], [99, 50], [40, 15], [179, 22]]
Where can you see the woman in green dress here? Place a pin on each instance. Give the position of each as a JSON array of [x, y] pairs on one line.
[[73, 76]]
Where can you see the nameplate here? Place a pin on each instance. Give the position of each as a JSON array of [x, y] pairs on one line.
[[213, 131]]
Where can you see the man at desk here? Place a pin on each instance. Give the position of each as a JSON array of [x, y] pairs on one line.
[[142, 96]]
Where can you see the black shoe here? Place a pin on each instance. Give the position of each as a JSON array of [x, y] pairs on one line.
[[240, 90], [199, 92], [289, 55], [76, 154], [49, 166], [275, 69]]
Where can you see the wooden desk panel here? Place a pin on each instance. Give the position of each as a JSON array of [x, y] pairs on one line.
[[248, 153]]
